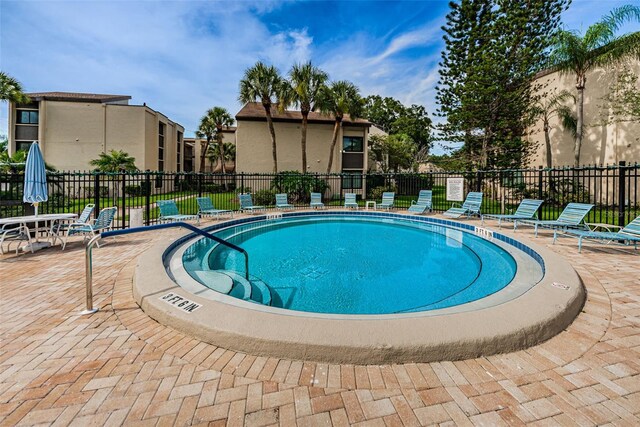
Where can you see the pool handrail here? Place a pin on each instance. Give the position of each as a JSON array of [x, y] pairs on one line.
[[88, 251]]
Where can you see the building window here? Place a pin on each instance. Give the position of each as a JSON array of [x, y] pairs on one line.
[[27, 117], [353, 144], [23, 145], [161, 131], [351, 179], [179, 152]]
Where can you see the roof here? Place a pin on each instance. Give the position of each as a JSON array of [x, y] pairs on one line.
[[77, 97], [255, 111]]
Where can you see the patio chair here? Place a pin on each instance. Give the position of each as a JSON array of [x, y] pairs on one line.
[[471, 206], [282, 202], [350, 201], [104, 222], [627, 235], [528, 209], [246, 204], [387, 200], [169, 212], [206, 208], [316, 201], [60, 227], [14, 233], [571, 217], [422, 204]]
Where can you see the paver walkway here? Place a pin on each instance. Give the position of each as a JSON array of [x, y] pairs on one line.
[[118, 366]]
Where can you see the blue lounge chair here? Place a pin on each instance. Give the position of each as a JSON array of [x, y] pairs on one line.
[[423, 203], [571, 217], [350, 201], [169, 212], [246, 203], [626, 235], [59, 227], [282, 202], [528, 209], [206, 208], [387, 200], [316, 201], [104, 222], [471, 206]]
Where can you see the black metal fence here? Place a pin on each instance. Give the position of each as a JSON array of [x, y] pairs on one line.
[[612, 189]]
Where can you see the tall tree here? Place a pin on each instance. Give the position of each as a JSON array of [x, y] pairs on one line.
[[492, 50], [11, 90], [263, 83], [229, 153], [393, 117], [339, 98], [217, 118], [206, 131], [600, 46], [306, 82], [553, 106]]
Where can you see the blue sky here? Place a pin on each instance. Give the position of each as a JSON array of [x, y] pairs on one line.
[[182, 57]]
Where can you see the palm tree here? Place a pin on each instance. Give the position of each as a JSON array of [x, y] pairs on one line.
[[206, 130], [306, 83], [339, 98], [11, 90], [229, 153], [114, 161], [599, 47], [553, 106], [263, 83], [212, 124]]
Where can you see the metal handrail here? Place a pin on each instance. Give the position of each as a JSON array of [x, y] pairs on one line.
[[89, 262]]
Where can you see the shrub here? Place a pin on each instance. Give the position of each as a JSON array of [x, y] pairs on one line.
[[103, 191], [264, 197], [143, 189], [376, 193], [211, 188], [298, 186]]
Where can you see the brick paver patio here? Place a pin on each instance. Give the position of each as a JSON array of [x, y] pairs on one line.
[[118, 366]]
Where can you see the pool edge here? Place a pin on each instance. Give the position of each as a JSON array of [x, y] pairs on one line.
[[511, 326]]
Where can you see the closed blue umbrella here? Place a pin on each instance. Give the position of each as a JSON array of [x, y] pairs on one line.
[[35, 179]]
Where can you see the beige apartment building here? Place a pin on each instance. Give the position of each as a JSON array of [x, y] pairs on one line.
[[604, 141], [253, 142], [74, 128]]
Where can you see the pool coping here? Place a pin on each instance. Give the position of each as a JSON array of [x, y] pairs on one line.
[[372, 339]]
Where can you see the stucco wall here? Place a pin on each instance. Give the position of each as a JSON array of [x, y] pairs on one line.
[[71, 134], [602, 144], [254, 154]]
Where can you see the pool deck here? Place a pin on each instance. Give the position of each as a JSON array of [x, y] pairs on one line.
[[119, 366]]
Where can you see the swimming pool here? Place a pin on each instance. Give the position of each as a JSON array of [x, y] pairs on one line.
[[345, 264], [427, 307]]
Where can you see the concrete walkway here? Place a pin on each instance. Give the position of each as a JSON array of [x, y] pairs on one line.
[[118, 366]]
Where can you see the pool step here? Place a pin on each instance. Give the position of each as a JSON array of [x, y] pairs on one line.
[[249, 290]]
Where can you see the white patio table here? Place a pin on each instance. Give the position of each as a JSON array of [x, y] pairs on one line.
[[37, 219]]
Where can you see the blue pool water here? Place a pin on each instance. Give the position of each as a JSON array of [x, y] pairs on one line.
[[355, 265]]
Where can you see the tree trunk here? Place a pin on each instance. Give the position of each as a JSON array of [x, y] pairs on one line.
[[272, 131], [336, 128], [223, 167], [547, 141], [580, 83], [203, 154], [303, 141]]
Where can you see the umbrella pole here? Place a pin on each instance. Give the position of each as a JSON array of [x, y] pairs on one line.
[[37, 229]]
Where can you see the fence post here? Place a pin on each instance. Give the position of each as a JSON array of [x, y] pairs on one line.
[[124, 200], [96, 195], [478, 181], [540, 182], [199, 184], [147, 201], [621, 193]]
